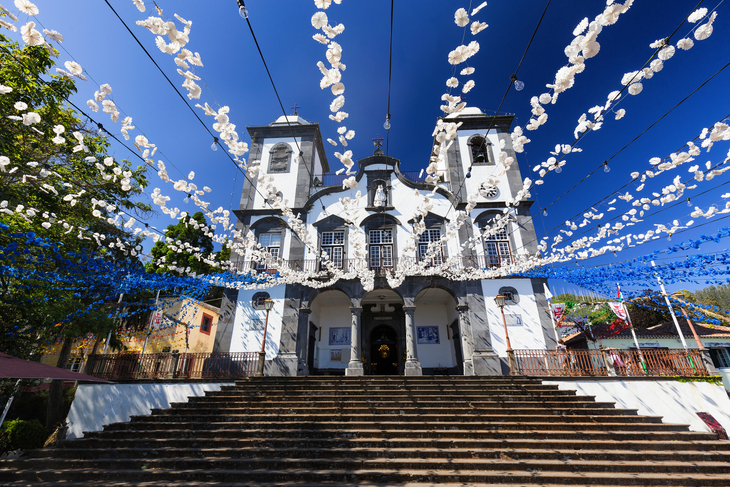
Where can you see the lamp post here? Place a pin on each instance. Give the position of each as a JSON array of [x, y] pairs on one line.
[[268, 304], [510, 353]]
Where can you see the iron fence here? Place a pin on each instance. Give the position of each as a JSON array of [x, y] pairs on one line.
[[130, 366], [379, 266], [611, 362]]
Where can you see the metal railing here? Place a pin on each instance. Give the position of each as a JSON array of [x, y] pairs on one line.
[[610, 362], [317, 266], [128, 366], [327, 180]]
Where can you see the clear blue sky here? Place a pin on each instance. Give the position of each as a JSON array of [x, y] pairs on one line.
[[424, 33]]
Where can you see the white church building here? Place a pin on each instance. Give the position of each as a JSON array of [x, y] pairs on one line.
[[426, 325]]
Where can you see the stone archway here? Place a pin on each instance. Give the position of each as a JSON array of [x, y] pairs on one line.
[[384, 351], [383, 307]]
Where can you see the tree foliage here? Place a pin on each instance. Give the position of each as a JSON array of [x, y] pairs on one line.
[[64, 191]]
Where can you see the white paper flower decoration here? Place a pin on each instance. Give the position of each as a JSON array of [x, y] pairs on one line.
[[341, 130], [545, 98], [26, 7], [323, 4], [666, 53], [580, 27], [461, 18], [620, 113], [656, 65], [477, 27], [337, 103], [468, 86], [321, 38], [319, 20], [54, 35], [635, 88], [338, 88], [140, 5], [477, 9], [59, 129], [73, 67], [30, 118], [332, 142], [685, 44], [457, 56], [697, 15], [92, 104], [31, 36], [4, 90], [19, 105], [350, 134], [452, 82], [703, 32], [467, 71]]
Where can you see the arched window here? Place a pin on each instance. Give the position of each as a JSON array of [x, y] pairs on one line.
[[481, 150], [280, 158], [511, 296]]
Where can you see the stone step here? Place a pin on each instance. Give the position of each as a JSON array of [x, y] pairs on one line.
[[323, 403], [693, 442], [286, 419], [415, 452], [527, 476], [454, 411], [394, 395], [578, 432], [374, 464], [314, 390]]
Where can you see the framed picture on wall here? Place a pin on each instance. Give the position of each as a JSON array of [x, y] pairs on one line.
[[340, 336], [427, 335]]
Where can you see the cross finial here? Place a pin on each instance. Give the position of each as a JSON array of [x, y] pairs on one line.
[[378, 141], [295, 107]]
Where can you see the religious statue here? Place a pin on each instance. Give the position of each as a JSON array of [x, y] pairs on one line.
[[379, 196]]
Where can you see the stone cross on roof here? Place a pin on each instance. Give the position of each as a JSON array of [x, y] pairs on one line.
[[295, 107]]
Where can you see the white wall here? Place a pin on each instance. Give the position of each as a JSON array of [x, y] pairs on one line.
[[480, 173], [96, 405], [442, 354], [666, 342], [284, 182], [527, 336], [243, 339], [676, 402], [327, 317]]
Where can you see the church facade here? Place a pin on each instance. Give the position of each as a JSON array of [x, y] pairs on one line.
[[426, 325]]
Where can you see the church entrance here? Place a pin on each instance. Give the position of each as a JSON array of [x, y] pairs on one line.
[[384, 351]]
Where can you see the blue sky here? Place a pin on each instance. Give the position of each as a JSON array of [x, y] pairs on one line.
[[424, 33]]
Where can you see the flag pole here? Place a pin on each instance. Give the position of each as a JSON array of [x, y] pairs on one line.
[[631, 327]]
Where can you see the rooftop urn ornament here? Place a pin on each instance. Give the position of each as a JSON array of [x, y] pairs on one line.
[[379, 196], [378, 143]]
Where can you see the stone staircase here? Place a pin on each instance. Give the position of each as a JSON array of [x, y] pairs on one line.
[[368, 431]]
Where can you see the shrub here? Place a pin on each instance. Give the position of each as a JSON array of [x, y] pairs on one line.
[[22, 435]]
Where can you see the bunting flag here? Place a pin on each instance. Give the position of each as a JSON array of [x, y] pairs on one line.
[[558, 310], [618, 309]]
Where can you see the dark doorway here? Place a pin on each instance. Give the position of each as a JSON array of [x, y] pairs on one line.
[[456, 338], [310, 347], [384, 351]]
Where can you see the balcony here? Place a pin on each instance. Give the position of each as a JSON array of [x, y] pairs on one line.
[[316, 265], [328, 180]]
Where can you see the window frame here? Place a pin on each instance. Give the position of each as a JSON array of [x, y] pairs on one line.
[[423, 244], [262, 265], [273, 150], [205, 328], [331, 246], [383, 247]]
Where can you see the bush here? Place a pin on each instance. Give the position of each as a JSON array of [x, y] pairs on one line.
[[22, 435]]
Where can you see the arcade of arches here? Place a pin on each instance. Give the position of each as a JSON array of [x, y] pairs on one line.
[[382, 333]]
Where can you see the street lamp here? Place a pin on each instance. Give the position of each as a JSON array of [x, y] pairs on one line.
[[268, 304], [510, 353]]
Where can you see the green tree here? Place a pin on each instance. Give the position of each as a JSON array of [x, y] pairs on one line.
[[63, 188], [185, 246]]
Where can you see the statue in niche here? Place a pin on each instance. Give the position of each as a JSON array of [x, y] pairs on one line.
[[379, 196]]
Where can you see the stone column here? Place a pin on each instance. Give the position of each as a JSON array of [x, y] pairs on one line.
[[303, 341], [465, 333], [355, 366], [413, 366]]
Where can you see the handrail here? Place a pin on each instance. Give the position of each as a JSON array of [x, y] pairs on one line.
[[220, 365], [611, 362]]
